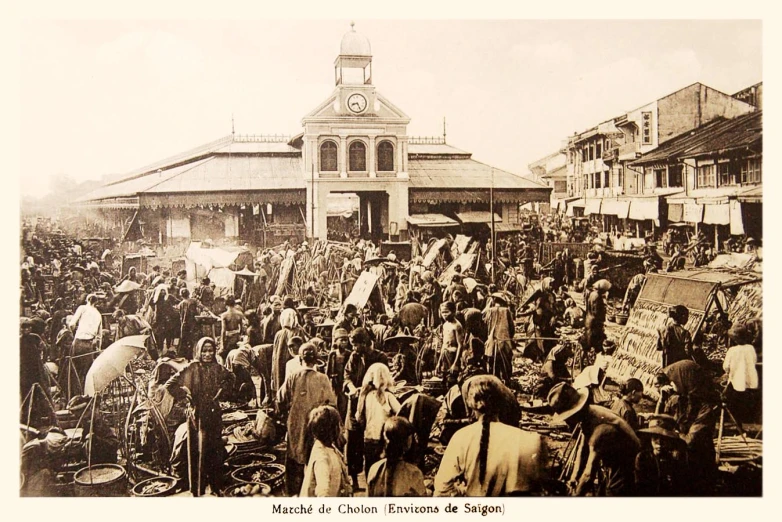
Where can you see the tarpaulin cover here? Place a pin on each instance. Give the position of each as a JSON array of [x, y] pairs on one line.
[[465, 261], [674, 291], [716, 214], [432, 252], [364, 291]]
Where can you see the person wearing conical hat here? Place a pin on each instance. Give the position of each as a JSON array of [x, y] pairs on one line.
[[609, 443], [663, 470]]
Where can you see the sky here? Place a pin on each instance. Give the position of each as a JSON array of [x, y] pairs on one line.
[[104, 97]]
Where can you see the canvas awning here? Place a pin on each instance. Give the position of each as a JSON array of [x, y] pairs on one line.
[[571, 205], [431, 220], [477, 216], [616, 208], [642, 209], [693, 213], [753, 195], [736, 218], [716, 214], [675, 212], [507, 227], [592, 206]]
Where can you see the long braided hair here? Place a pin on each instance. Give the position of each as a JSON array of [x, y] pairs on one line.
[[483, 394], [397, 433]]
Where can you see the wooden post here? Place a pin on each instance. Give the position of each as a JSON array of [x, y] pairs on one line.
[[493, 238]]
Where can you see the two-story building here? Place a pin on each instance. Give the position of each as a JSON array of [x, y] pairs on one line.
[[552, 171], [265, 189], [718, 167], [600, 171]]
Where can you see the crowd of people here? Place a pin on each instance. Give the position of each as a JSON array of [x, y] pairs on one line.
[[355, 389]]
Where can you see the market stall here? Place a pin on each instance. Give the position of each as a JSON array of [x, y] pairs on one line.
[[701, 291]]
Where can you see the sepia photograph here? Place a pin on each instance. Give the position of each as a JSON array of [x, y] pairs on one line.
[[390, 258]]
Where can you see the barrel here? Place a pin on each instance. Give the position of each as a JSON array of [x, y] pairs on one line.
[[101, 480]]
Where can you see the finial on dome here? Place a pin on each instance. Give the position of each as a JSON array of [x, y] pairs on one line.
[[353, 26]]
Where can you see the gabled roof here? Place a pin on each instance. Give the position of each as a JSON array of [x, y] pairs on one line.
[[717, 137], [454, 173]]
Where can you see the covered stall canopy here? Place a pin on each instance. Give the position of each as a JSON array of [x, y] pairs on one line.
[[431, 220], [613, 207], [637, 355], [592, 206], [477, 216], [217, 263], [433, 251]]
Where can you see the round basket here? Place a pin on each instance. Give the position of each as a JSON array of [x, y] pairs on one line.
[[237, 490], [271, 474], [621, 319], [250, 459], [611, 318], [101, 480], [155, 487]]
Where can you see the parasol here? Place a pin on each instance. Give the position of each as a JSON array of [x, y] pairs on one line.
[[111, 363], [127, 286]]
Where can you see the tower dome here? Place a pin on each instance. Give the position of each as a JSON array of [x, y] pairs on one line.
[[354, 44]]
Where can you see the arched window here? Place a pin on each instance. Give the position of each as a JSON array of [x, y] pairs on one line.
[[328, 157], [385, 156], [357, 156]]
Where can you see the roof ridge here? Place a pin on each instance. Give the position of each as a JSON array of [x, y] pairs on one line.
[[510, 173]]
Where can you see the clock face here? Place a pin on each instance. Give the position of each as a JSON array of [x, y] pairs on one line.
[[357, 103]]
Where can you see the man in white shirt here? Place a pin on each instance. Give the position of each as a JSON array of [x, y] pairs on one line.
[[741, 372], [87, 323]]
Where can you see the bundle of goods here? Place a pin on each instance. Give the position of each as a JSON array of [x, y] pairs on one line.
[[637, 355], [738, 449], [748, 303]]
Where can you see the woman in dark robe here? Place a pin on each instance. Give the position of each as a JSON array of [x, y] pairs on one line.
[[202, 382]]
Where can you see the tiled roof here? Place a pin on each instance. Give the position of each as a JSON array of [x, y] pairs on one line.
[[717, 137], [467, 173]]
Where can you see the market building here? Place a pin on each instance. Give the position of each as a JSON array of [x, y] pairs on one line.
[[600, 172], [266, 189]]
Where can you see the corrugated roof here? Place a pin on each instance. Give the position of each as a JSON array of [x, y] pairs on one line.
[[433, 148], [715, 137], [135, 186], [236, 173], [257, 148], [463, 173]]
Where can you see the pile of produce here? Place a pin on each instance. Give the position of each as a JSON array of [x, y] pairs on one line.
[[248, 490]]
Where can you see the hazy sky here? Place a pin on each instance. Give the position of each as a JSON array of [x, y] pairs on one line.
[[106, 97]]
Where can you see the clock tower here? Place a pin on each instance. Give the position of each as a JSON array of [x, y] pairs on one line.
[[356, 142]]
